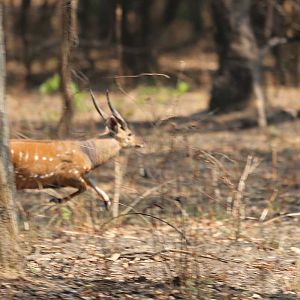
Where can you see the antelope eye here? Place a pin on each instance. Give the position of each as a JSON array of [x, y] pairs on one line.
[[129, 134]]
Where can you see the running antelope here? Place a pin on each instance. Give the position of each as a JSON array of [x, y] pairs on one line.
[[67, 163]]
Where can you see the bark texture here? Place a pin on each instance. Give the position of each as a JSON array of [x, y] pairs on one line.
[[137, 55], [233, 84], [69, 37], [10, 259]]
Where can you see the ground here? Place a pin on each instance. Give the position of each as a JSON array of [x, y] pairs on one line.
[[134, 262], [205, 230]]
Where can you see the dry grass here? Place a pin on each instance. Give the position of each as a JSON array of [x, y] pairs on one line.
[[240, 244]]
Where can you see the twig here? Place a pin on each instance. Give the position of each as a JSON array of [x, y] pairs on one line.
[[120, 166], [150, 216], [258, 89], [152, 254], [297, 214], [141, 75], [251, 165], [146, 194]]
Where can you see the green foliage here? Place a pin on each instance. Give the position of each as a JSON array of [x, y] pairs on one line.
[[79, 97], [65, 213], [161, 94], [34, 270], [182, 87], [52, 85]]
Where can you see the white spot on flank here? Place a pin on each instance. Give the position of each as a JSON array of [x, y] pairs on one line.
[[36, 157], [50, 174], [12, 151], [44, 158], [26, 156], [76, 172], [74, 151], [50, 158], [20, 155]]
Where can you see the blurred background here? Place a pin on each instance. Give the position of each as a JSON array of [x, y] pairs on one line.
[[213, 46]]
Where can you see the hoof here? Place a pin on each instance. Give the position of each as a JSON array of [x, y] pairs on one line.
[[55, 200], [107, 204]]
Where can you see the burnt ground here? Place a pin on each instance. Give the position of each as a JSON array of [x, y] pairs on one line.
[[196, 238]]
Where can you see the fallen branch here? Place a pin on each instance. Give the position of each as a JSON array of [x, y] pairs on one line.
[[178, 251], [150, 216], [144, 195], [297, 214]]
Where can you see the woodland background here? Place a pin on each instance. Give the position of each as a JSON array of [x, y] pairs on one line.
[[210, 208]]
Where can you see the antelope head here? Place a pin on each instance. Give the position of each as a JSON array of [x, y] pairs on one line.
[[116, 126]]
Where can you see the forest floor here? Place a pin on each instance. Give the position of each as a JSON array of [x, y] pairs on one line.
[[134, 262], [200, 229]]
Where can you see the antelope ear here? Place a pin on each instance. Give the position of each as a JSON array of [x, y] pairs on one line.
[[112, 124]]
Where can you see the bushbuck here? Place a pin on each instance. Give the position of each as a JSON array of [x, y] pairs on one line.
[[42, 164]]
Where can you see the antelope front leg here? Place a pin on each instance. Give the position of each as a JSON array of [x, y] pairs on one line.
[[90, 182]]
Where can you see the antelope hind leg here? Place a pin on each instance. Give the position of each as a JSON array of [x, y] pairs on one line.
[[67, 198], [82, 188]]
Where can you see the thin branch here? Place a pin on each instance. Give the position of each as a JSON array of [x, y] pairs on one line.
[[178, 251], [150, 216], [144, 195], [296, 214], [140, 75]]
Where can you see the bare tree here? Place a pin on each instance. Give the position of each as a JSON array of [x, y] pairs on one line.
[[10, 261], [137, 52], [237, 50], [23, 28], [69, 36]]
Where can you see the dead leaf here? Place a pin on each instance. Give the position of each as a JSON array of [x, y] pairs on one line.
[[295, 250], [157, 258], [114, 257]]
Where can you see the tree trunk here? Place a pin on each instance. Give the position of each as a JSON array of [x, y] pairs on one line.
[[233, 84], [23, 28], [170, 11], [137, 53], [107, 20], [68, 17], [10, 259], [195, 7]]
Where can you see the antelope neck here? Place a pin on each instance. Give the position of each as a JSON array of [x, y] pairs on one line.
[[100, 150]]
